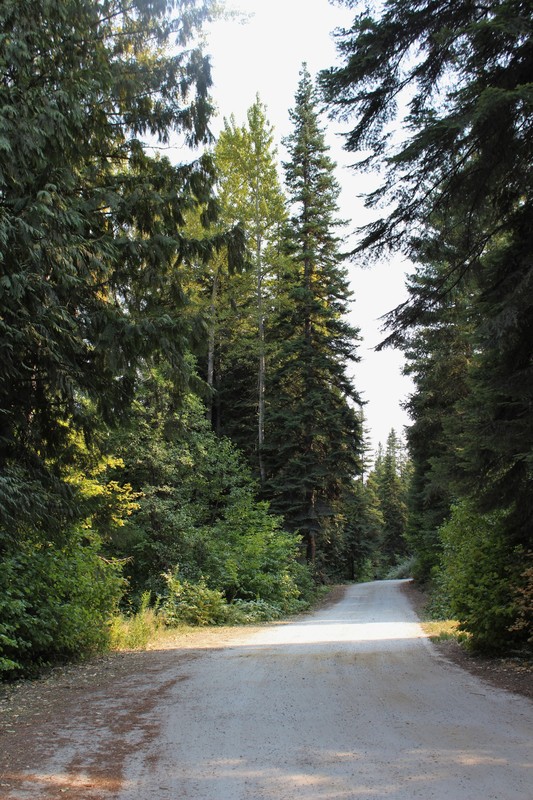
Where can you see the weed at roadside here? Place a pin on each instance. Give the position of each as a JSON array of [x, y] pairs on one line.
[[135, 631]]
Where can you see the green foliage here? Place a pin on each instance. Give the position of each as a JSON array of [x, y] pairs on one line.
[[362, 531], [249, 186], [404, 569], [91, 225], [192, 603], [391, 475], [134, 631], [250, 556], [524, 600], [197, 604], [313, 438], [478, 570], [55, 601], [197, 509], [458, 200], [92, 246], [56, 589], [438, 352], [249, 191], [467, 71], [248, 612]]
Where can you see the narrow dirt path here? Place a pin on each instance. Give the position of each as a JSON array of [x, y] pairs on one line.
[[350, 702]]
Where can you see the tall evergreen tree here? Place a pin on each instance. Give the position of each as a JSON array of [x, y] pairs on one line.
[[390, 477], [314, 435], [438, 350], [250, 193], [363, 531], [91, 225], [92, 245]]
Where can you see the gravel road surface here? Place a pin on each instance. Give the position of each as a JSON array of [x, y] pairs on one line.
[[350, 702]]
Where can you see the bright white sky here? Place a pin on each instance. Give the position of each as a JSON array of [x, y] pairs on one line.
[[264, 55]]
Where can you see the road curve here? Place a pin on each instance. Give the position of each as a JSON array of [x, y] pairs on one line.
[[351, 702]]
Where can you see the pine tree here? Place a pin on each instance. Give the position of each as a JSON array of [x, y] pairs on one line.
[[468, 163], [390, 476], [250, 194], [91, 225], [438, 351], [363, 531], [313, 446], [468, 112], [92, 250]]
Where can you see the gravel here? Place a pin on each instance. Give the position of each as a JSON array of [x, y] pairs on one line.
[[352, 701]]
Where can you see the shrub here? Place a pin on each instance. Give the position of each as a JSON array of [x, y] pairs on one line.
[[55, 601], [477, 575], [192, 603], [247, 612], [250, 557], [197, 604], [404, 569], [524, 601]]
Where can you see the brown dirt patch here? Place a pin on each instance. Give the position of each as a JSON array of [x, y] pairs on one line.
[[513, 674]]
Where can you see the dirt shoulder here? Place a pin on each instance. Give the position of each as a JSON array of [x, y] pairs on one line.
[[28, 702], [511, 674]]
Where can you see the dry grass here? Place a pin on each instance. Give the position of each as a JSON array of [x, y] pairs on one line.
[[439, 630]]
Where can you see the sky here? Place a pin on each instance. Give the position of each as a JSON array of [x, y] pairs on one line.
[[264, 55]]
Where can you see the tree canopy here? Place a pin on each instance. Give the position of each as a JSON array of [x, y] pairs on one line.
[[91, 223], [460, 74]]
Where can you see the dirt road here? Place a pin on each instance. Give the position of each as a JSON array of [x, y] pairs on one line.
[[351, 702]]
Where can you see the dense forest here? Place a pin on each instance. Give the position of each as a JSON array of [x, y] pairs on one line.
[[178, 423]]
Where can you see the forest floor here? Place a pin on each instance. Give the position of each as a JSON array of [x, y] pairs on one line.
[[73, 731]]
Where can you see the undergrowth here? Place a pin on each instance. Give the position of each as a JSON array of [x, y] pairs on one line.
[[135, 631], [190, 606]]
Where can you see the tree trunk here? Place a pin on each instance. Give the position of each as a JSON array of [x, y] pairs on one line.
[[262, 364], [311, 547], [211, 346]]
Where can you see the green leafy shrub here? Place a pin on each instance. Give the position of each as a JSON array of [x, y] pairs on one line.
[[192, 603], [196, 604], [404, 569], [55, 601], [246, 612], [476, 577], [249, 556], [524, 600]]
